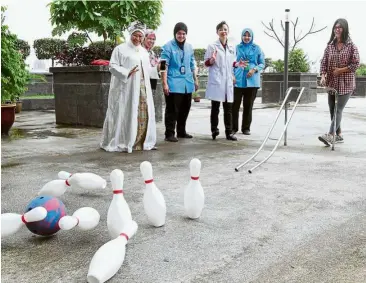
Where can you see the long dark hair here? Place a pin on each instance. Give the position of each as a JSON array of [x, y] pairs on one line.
[[345, 32]]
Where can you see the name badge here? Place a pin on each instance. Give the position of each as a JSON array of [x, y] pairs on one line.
[[182, 70]]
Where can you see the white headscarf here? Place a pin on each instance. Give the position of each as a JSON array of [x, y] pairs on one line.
[[137, 26]]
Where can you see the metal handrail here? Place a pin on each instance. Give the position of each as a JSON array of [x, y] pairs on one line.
[[283, 132], [270, 130]]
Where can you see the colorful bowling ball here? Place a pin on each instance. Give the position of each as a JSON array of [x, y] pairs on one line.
[[55, 210]]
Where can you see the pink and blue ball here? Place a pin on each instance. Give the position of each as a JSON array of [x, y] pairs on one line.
[[55, 210]]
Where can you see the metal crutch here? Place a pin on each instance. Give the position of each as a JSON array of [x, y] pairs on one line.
[[335, 117]]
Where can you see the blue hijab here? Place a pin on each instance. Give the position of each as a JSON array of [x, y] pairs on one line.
[[249, 48]]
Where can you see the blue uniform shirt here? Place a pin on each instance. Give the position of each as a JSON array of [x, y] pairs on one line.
[[175, 59]]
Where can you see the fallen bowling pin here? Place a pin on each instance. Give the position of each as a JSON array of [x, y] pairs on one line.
[[194, 197], [109, 258], [153, 200], [12, 222], [85, 218], [119, 213], [87, 181], [54, 188]]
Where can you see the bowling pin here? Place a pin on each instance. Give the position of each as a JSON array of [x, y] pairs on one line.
[[85, 218], [12, 222], [109, 258], [153, 200], [54, 188], [119, 213], [87, 181], [194, 198]]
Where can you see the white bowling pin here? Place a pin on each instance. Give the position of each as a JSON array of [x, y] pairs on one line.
[[194, 197], [54, 188], [12, 222], [87, 181], [85, 218], [109, 258], [119, 213], [64, 175], [153, 200]]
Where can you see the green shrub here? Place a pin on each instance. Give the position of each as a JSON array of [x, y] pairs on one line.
[[298, 61], [361, 71], [14, 75], [199, 54], [23, 47], [48, 48], [108, 44], [157, 50]]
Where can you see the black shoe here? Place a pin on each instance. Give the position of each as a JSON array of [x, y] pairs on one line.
[[185, 136], [171, 139], [215, 134], [246, 132], [231, 138]]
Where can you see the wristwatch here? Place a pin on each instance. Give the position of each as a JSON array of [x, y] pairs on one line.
[[255, 69]]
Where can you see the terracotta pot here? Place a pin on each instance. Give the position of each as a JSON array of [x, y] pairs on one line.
[[197, 99], [18, 107], [7, 117]]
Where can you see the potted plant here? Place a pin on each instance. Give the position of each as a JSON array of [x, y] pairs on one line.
[[14, 75]]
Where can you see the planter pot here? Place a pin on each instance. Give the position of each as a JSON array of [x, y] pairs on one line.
[[18, 107], [272, 87], [360, 86], [7, 117], [81, 94], [197, 99]]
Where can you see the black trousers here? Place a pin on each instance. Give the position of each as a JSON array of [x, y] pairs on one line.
[[153, 83], [215, 110], [177, 106], [248, 96], [331, 103]]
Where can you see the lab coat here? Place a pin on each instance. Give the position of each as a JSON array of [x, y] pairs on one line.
[[220, 74]]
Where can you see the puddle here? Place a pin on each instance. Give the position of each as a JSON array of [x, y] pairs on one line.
[[17, 133], [10, 165]]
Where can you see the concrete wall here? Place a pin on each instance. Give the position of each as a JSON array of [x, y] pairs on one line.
[[360, 86], [39, 87], [272, 87]]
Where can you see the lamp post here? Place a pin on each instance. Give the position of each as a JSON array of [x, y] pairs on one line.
[[285, 79]]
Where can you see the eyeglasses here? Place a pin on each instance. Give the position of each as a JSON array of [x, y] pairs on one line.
[[338, 27]]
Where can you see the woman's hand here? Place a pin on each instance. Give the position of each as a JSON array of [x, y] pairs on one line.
[[213, 57], [166, 89], [250, 73], [134, 70], [322, 80]]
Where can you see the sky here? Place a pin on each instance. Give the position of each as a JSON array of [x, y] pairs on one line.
[[29, 19]]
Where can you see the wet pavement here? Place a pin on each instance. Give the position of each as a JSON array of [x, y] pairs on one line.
[[300, 217]]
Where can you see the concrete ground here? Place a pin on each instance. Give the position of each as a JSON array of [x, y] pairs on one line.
[[300, 217]]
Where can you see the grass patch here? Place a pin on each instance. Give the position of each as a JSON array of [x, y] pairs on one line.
[[37, 96]]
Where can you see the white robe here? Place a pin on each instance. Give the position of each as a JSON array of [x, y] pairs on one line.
[[120, 124]]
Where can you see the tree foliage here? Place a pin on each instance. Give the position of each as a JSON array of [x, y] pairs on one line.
[[14, 75], [23, 47], [297, 63], [106, 18]]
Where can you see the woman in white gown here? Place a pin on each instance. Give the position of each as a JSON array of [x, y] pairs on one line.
[[130, 119]]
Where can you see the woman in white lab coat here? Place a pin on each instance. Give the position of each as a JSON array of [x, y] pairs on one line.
[[220, 59], [130, 119]]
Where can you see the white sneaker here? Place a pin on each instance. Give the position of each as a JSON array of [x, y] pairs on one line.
[[327, 139]]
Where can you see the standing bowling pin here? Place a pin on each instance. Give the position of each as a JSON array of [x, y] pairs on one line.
[[12, 222], [119, 213], [87, 181], [194, 197], [86, 218], [154, 202], [109, 258]]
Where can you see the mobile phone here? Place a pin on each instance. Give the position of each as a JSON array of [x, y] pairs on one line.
[[163, 65]]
